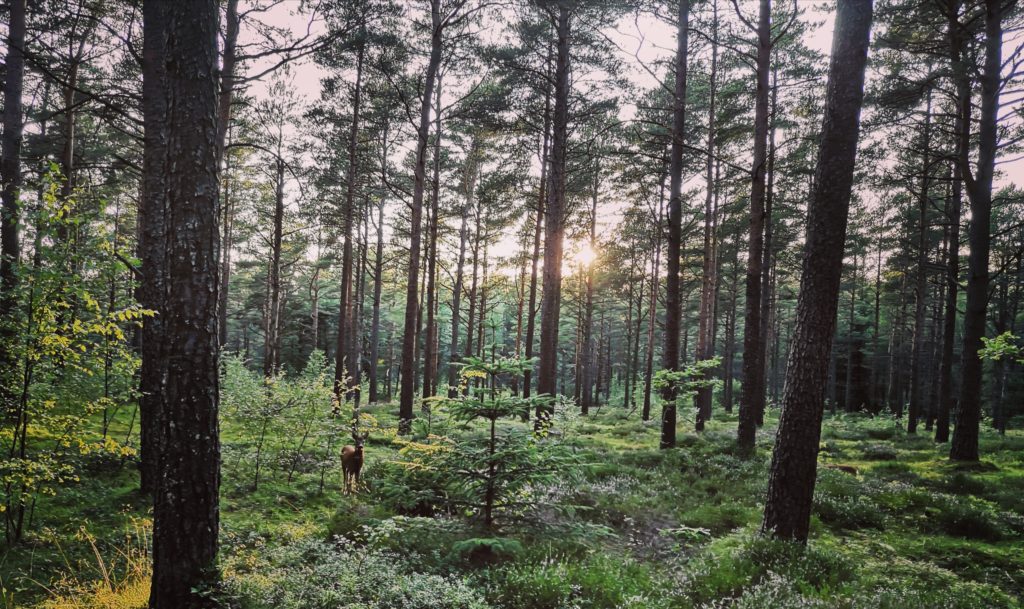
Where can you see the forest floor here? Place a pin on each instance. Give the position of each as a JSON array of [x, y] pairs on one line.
[[632, 526]]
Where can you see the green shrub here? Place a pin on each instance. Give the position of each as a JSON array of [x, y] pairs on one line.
[[974, 519], [774, 591], [597, 582], [414, 484], [898, 583], [962, 483], [881, 433], [313, 573], [486, 550], [722, 518], [716, 574], [879, 452], [846, 512], [894, 470], [961, 596]]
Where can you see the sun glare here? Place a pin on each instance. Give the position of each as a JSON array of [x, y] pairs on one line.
[[586, 255]]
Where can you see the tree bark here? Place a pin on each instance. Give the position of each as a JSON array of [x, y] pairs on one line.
[[408, 389], [752, 388], [787, 512], [152, 241], [346, 370], [185, 513], [10, 176], [587, 389], [645, 413], [378, 272], [673, 304], [979, 190], [473, 286], [961, 129], [921, 280], [629, 402], [224, 101], [469, 187], [272, 316], [767, 253], [430, 350], [705, 350], [554, 209], [730, 334], [538, 226]]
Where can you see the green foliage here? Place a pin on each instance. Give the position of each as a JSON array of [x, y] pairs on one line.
[[879, 452], [1002, 346], [840, 500], [70, 360], [639, 527], [315, 573], [741, 563], [552, 583], [483, 550], [489, 475], [286, 423], [687, 381], [974, 518], [416, 482]]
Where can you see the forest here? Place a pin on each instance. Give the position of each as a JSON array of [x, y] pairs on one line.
[[512, 304]]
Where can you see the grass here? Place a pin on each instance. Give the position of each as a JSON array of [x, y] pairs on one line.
[[640, 527]]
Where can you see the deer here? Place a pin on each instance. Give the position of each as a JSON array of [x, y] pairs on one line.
[[352, 461]]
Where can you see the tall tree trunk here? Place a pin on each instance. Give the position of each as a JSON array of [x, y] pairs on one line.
[[895, 390], [227, 208], [346, 370], [705, 349], [314, 290], [482, 321], [360, 304], [185, 513], [152, 242], [272, 325], [520, 287], [877, 397], [430, 351], [538, 225], [378, 272], [554, 210], [531, 310], [587, 396], [578, 345], [752, 388], [921, 279], [673, 304], [630, 400], [979, 190], [226, 96], [10, 177], [626, 370], [961, 128], [469, 187], [767, 253], [787, 512], [645, 413], [408, 391], [473, 288], [730, 334]]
